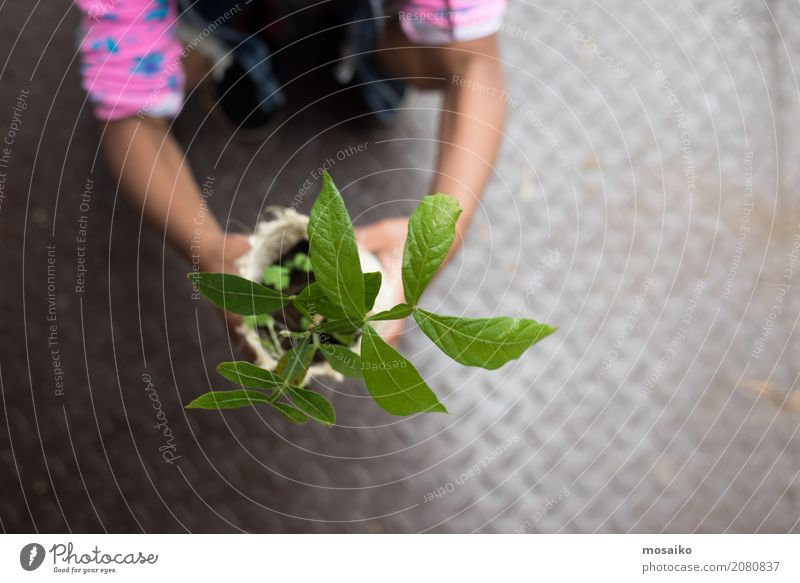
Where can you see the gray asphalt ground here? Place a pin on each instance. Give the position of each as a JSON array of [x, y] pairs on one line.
[[645, 202]]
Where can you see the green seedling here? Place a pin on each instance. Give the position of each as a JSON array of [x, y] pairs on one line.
[[337, 307]]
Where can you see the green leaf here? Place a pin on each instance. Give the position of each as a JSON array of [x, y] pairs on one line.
[[485, 342], [398, 312], [277, 276], [312, 292], [431, 231], [260, 320], [343, 360], [344, 326], [301, 368], [249, 375], [228, 400], [393, 381], [333, 251], [308, 296], [312, 300], [312, 404], [291, 413], [301, 262], [343, 339], [372, 285], [237, 294]]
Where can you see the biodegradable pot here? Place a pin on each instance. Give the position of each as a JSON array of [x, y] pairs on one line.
[[267, 244]]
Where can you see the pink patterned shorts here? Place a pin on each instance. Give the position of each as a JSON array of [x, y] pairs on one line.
[[131, 59], [436, 22]]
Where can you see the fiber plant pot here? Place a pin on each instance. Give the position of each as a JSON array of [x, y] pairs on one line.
[[270, 241]]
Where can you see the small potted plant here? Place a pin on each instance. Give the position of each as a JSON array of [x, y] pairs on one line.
[[278, 258], [316, 306]]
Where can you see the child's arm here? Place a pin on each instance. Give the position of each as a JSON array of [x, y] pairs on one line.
[[156, 179], [132, 71], [471, 129], [470, 75], [473, 117]]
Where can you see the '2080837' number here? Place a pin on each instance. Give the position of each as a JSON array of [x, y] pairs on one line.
[[754, 566]]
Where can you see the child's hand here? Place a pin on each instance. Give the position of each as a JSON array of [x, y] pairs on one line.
[[221, 257], [386, 240]]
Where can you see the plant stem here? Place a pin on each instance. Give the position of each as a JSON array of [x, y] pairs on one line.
[[290, 334], [275, 341], [296, 359]]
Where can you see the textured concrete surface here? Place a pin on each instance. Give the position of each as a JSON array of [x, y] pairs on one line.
[[645, 202]]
